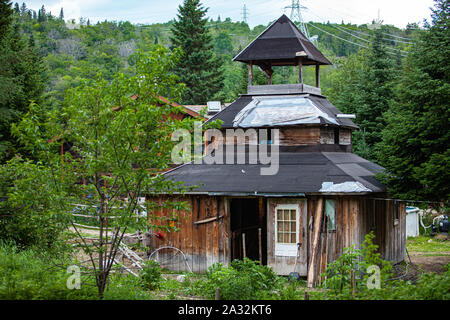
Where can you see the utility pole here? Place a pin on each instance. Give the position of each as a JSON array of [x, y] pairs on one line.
[[245, 13], [296, 16]]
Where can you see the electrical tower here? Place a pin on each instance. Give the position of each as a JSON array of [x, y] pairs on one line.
[[245, 13], [296, 16]]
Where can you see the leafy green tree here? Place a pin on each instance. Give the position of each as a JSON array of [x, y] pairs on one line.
[[199, 68], [415, 145], [120, 146]]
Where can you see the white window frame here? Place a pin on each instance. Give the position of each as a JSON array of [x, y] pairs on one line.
[[287, 249]]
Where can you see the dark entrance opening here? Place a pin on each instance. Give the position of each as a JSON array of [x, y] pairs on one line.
[[248, 217]]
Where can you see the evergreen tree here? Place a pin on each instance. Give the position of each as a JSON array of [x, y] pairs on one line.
[[5, 17], [199, 68], [415, 146], [374, 94], [21, 81], [61, 14], [363, 86], [42, 15]]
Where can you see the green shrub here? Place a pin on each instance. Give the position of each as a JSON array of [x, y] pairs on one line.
[[126, 287], [337, 275], [150, 275], [30, 206], [32, 275], [242, 280]]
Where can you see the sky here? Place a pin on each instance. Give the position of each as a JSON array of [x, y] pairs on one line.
[[395, 12]]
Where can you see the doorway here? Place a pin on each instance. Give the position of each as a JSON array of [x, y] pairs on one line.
[[248, 229]]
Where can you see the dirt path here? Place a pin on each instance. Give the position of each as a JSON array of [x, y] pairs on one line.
[[430, 263]]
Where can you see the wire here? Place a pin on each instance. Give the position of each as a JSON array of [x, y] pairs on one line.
[[335, 26], [358, 44], [333, 35], [368, 35]]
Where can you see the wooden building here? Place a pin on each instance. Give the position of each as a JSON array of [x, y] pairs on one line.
[[321, 199]]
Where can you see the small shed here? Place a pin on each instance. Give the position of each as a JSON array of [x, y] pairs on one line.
[[412, 221]]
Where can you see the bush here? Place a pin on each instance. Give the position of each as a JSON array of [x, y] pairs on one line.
[[30, 210], [125, 287], [150, 275], [338, 273], [242, 280], [31, 275]]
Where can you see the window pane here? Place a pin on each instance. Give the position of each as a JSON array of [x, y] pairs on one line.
[[280, 226], [286, 238], [280, 237], [293, 238], [293, 227], [280, 214], [330, 211], [293, 215], [286, 215]]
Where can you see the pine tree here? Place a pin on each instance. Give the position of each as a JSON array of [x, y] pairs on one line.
[[363, 86], [61, 14], [5, 17], [374, 94], [21, 81], [199, 68], [415, 146]]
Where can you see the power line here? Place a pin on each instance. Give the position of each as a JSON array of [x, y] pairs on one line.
[[358, 44], [353, 35], [385, 39], [333, 35]]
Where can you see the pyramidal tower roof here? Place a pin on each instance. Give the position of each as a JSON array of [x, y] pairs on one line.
[[282, 44]]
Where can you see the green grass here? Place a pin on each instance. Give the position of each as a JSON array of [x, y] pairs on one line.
[[422, 244]]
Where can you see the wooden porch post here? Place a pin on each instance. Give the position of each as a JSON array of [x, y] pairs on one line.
[[250, 74], [300, 71], [317, 75], [312, 276]]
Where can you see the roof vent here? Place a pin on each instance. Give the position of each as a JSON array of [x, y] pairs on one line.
[[214, 106]]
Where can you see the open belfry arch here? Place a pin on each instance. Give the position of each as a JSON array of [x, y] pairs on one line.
[[282, 44], [322, 197]]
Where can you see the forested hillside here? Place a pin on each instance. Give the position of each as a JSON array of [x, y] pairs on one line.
[[75, 50], [370, 76]]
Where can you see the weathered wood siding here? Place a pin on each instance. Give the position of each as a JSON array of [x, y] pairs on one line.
[[208, 243], [203, 244], [298, 136], [345, 136], [356, 216]]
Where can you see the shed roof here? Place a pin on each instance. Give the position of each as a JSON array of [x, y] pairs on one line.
[[279, 45], [299, 172]]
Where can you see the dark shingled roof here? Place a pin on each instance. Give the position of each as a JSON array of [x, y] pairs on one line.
[[299, 172], [280, 42], [228, 114]]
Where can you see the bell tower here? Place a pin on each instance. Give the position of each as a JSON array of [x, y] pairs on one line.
[[282, 44]]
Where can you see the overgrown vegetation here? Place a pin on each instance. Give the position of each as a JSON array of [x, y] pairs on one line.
[[242, 280]]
